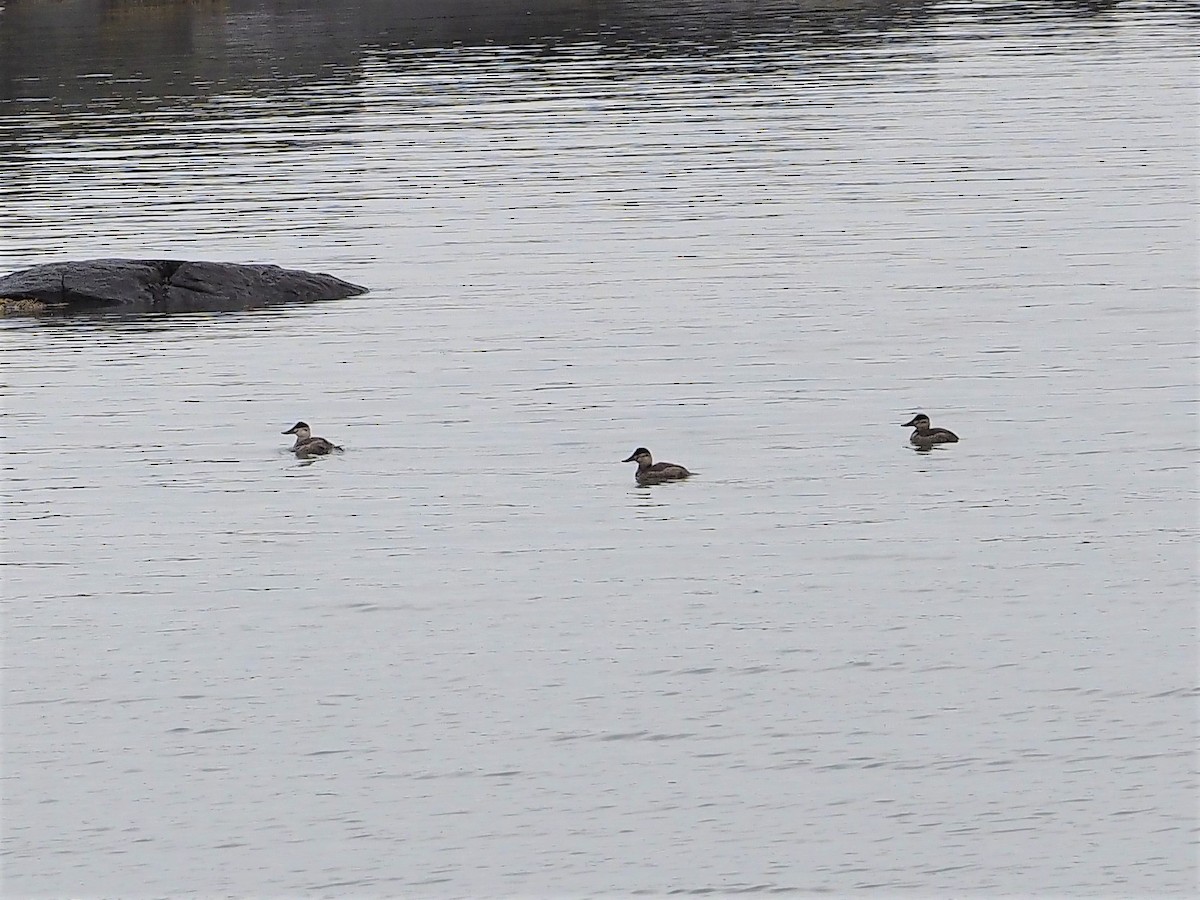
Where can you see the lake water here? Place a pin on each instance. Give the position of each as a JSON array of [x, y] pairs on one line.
[[469, 657]]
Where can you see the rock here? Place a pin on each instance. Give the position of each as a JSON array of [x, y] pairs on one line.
[[167, 286]]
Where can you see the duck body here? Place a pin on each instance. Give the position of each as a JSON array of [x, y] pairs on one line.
[[924, 437], [650, 472], [306, 445]]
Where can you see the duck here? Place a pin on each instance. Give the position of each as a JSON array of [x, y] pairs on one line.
[[650, 472], [925, 437], [306, 445]]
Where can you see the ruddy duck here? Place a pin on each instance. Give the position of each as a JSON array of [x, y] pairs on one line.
[[925, 437], [650, 472], [306, 445]]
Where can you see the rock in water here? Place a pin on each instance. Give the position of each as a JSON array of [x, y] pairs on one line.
[[167, 286]]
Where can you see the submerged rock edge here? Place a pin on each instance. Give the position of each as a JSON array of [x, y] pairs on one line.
[[162, 285]]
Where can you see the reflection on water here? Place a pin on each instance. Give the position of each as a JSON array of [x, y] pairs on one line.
[[90, 56], [97, 51], [754, 237]]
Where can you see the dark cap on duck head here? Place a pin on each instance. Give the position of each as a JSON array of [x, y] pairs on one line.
[[640, 451], [915, 419], [296, 428]]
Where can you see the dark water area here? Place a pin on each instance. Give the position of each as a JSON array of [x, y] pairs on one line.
[[53, 54]]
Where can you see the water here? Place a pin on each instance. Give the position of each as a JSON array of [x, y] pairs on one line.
[[469, 657]]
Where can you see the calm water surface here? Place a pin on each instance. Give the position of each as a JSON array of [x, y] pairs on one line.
[[469, 657]]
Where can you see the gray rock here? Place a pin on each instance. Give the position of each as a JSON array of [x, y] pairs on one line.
[[161, 285]]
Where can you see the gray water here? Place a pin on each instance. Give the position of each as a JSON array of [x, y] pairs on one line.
[[469, 657]]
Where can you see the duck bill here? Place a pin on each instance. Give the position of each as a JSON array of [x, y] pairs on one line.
[[630, 459], [289, 431], [910, 424]]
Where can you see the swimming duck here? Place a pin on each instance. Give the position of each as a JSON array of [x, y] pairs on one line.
[[306, 445], [925, 437], [650, 472]]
